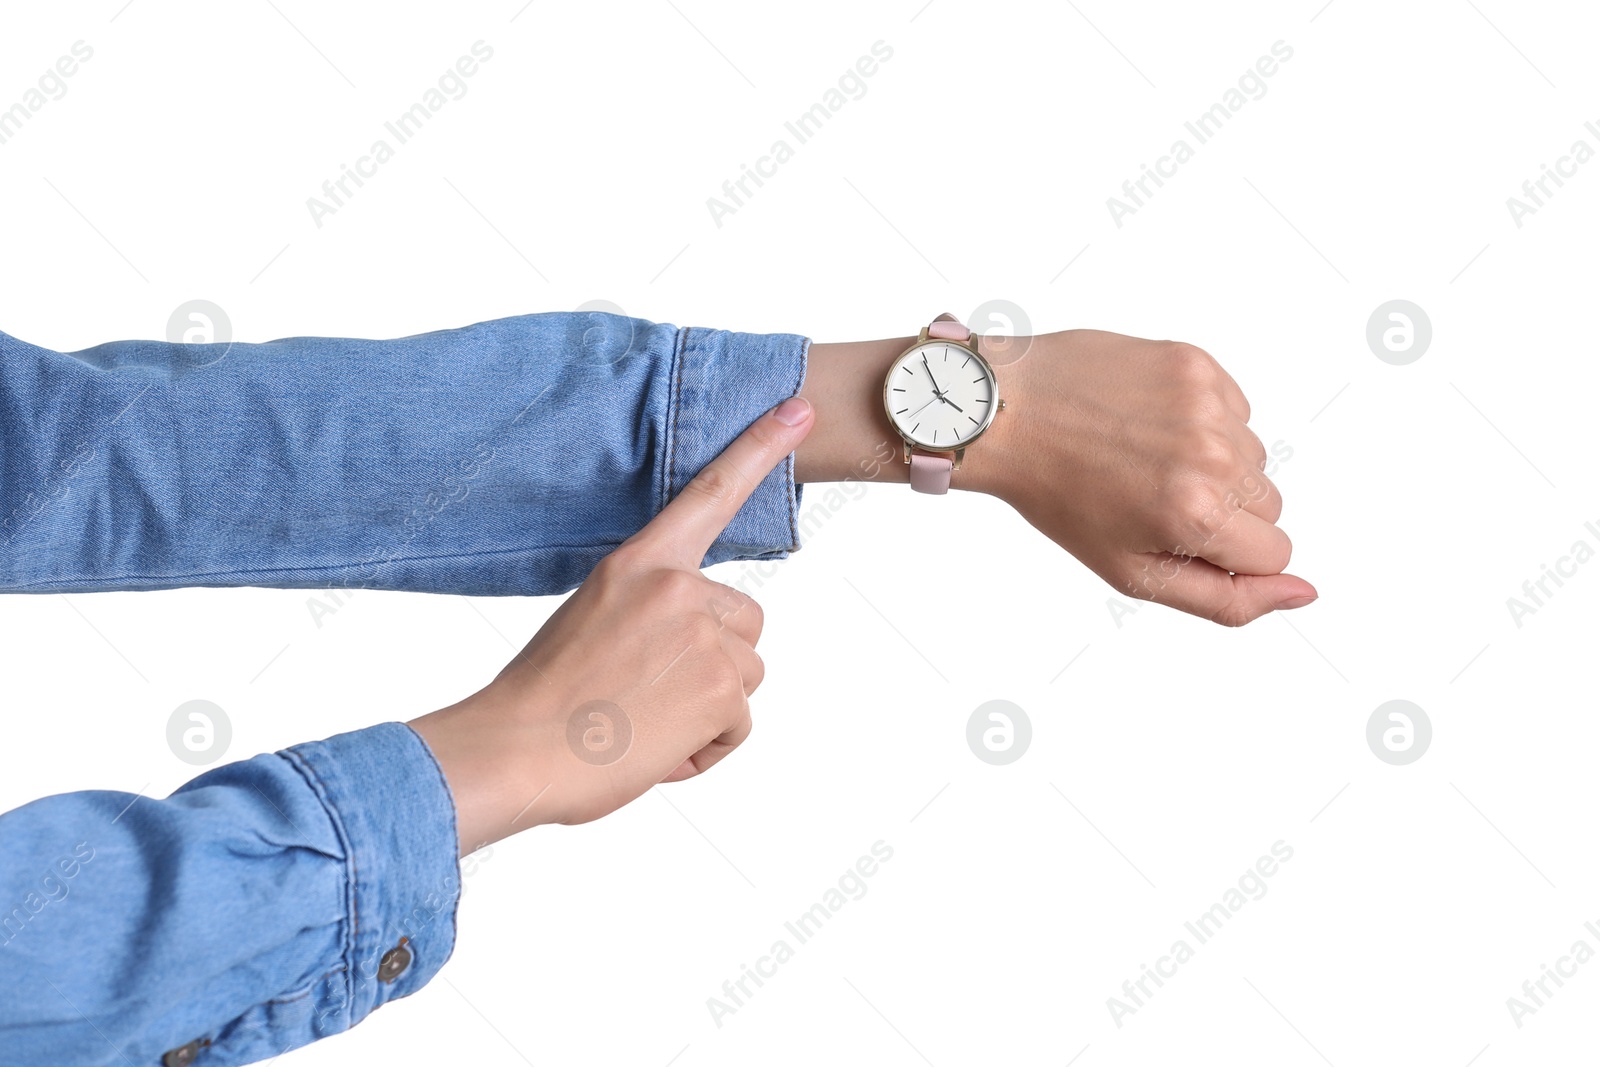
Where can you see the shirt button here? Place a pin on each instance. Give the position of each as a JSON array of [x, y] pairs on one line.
[[392, 966], [182, 1057]]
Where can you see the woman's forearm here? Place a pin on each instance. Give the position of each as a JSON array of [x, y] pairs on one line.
[[142, 930], [503, 458]]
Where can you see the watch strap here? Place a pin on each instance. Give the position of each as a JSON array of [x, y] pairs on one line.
[[930, 473], [947, 328]]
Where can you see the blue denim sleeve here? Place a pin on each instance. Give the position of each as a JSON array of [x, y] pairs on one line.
[[502, 458], [264, 905]]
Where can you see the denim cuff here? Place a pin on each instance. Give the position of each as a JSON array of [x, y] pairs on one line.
[[391, 807], [721, 383]]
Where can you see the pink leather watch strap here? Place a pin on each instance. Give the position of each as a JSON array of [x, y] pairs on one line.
[[931, 473], [946, 328]]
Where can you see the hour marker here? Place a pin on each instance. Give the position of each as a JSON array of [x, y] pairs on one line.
[[898, 389], [906, 369], [902, 411], [964, 365], [914, 428], [936, 437], [980, 401], [975, 381], [972, 420]]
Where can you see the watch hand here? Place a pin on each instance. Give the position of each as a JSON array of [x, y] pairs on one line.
[[952, 403], [936, 397], [931, 378]]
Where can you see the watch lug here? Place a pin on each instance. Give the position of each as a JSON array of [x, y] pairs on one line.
[[906, 448], [959, 453]]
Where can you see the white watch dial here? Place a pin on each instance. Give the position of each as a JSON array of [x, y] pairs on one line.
[[940, 395]]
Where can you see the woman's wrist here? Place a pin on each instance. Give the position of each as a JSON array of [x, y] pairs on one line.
[[489, 757], [853, 440]]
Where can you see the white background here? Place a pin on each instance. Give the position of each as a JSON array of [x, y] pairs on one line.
[[1169, 756]]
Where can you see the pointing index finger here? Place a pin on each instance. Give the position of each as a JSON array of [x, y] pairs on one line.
[[686, 528]]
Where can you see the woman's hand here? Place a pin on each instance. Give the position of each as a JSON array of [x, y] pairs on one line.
[[640, 677], [1133, 455]]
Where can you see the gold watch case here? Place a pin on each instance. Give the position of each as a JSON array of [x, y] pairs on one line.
[[907, 444]]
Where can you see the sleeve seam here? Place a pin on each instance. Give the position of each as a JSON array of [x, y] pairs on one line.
[[330, 567], [351, 910], [674, 406]]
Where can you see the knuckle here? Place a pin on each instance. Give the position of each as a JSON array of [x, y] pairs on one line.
[[749, 612], [680, 587], [1255, 449], [1212, 452], [1189, 364], [705, 632], [716, 485], [1281, 553], [744, 619], [1251, 492], [726, 685], [732, 607]]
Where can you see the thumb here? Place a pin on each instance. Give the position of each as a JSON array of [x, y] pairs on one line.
[[1201, 588], [685, 529]]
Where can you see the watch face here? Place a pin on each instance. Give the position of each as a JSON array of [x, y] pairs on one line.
[[940, 395]]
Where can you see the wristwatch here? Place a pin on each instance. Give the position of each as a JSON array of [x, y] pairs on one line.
[[940, 395]]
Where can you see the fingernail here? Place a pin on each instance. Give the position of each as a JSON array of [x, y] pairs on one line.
[[792, 412], [1295, 602]]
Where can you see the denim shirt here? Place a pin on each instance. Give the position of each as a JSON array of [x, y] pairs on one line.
[[280, 899]]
